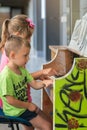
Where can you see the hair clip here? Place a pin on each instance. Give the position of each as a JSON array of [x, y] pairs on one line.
[[30, 23]]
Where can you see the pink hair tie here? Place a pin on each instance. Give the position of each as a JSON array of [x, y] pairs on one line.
[[30, 23]]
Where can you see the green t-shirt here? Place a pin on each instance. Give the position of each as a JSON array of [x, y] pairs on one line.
[[14, 85]]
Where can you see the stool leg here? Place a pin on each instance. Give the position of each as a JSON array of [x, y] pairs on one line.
[[12, 126], [17, 125]]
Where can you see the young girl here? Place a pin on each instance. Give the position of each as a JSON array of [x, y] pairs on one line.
[[14, 78], [21, 26]]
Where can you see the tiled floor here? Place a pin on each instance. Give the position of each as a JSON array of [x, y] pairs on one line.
[[33, 65]]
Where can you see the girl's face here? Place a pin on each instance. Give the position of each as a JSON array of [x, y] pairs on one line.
[[22, 56]]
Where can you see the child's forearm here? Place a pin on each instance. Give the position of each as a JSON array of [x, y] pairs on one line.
[[37, 84], [41, 84], [20, 104]]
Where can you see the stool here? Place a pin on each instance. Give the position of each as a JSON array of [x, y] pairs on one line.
[[11, 120]]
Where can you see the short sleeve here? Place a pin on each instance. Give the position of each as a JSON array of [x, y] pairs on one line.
[[29, 76], [7, 87]]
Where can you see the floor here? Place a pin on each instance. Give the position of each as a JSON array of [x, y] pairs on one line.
[[34, 64]]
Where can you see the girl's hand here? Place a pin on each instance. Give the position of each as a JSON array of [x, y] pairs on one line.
[[47, 73]]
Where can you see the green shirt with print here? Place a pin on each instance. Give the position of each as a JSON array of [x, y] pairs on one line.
[[14, 85]]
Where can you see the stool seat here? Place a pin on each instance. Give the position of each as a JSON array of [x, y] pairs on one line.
[[11, 120]]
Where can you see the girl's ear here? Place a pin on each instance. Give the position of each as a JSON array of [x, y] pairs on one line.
[[12, 54]]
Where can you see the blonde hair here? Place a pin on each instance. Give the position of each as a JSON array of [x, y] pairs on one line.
[[14, 43], [17, 24]]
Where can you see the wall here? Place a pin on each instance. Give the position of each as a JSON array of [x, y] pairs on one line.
[[52, 25]]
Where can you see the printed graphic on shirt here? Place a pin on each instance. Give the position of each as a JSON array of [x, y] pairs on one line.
[[21, 89]]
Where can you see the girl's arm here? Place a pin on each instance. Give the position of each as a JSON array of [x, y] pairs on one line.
[[37, 75], [44, 73]]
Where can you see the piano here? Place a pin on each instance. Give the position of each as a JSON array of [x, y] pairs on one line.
[[61, 60], [69, 94]]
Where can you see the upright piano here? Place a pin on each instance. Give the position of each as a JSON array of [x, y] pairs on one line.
[[61, 60]]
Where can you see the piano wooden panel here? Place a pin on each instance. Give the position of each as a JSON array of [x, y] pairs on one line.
[[47, 104], [62, 59]]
